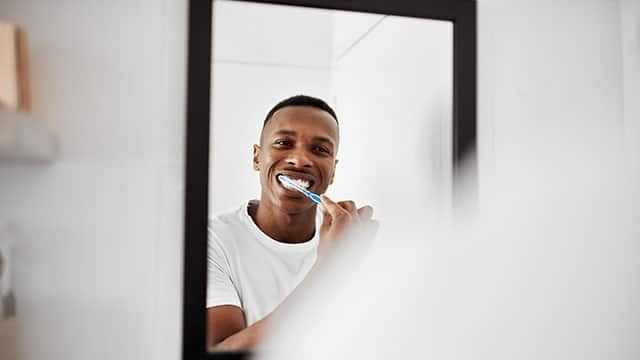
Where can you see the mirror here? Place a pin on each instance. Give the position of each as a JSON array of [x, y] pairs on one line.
[[389, 80], [397, 89]]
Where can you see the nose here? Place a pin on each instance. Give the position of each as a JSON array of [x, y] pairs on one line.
[[299, 158]]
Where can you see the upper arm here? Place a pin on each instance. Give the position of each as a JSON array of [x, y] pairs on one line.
[[222, 322], [224, 315], [221, 289]]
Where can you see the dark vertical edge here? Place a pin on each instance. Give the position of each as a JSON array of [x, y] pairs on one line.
[[465, 164], [431, 9], [197, 180]]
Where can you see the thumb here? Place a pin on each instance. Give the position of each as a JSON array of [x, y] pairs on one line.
[[330, 207]]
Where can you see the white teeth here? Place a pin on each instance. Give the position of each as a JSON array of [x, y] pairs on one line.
[[302, 183]]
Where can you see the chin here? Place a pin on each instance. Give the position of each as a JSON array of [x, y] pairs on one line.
[[293, 206]]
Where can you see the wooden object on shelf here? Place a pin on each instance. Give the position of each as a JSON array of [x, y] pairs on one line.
[[15, 91], [23, 139]]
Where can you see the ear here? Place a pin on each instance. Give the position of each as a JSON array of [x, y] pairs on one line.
[[335, 164], [256, 157]]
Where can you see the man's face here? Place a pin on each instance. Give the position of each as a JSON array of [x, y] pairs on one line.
[[300, 142]]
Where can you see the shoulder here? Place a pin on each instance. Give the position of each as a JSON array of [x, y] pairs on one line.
[[226, 225]]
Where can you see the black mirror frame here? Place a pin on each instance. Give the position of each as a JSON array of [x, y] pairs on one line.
[[463, 15]]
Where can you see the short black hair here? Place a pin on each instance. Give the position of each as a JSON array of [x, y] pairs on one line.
[[301, 100]]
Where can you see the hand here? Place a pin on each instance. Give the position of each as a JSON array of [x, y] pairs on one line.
[[340, 220]]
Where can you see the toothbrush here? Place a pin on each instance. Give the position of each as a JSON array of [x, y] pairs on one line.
[[290, 184]]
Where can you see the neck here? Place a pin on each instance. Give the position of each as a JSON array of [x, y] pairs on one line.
[[282, 226]]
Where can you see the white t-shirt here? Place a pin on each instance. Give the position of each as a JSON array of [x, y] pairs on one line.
[[249, 269]]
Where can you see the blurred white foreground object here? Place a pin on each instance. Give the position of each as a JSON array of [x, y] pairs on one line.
[[548, 269]]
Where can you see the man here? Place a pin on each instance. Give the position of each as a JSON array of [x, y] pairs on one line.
[[260, 253]]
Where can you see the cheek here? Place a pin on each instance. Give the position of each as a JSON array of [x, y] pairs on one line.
[[268, 163], [328, 171]]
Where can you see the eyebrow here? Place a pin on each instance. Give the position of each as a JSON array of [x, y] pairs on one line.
[[315, 138]]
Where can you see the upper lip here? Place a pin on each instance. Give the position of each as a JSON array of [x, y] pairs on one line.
[[298, 174]]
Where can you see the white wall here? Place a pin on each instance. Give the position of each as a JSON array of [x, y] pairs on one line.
[[99, 231], [393, 96], [349, 28], [630, 33], [550, 89], [549, 74]]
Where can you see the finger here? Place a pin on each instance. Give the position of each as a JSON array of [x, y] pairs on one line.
[[332, 207], [365, 212], [323, 209], [326, 221], [350, 206]]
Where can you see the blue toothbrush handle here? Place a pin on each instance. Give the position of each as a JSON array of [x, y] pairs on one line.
[[315, 198]]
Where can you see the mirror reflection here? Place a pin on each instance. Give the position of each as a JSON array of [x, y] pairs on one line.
[[352, 106]]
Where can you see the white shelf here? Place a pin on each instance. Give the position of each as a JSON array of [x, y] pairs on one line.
[[21, 139]]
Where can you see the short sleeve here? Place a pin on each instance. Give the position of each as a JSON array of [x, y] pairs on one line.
[[220, 288]]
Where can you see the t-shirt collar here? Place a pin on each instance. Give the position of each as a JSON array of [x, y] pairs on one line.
[[282, 246]]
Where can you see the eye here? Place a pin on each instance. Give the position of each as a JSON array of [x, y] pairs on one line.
[[322, 149], [283, 143]]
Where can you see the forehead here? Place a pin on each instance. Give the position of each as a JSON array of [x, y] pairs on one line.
[[304, 120]]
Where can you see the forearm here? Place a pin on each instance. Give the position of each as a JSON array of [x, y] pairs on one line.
[[251, 336], [246, 338]]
